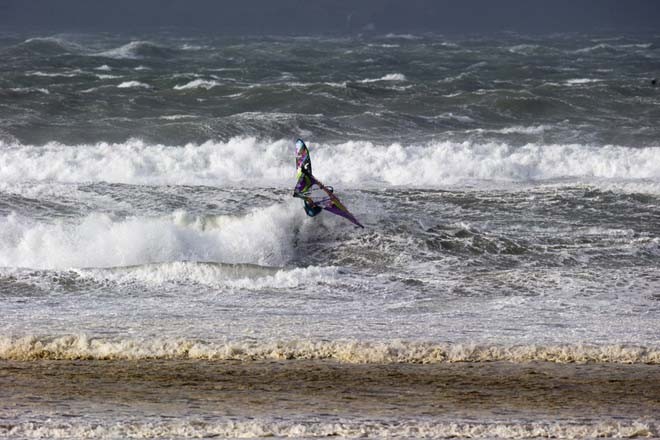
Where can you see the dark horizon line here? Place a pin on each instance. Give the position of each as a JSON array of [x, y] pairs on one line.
[[418, 32]]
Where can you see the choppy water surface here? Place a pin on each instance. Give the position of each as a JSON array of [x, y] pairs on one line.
[[509, 185]]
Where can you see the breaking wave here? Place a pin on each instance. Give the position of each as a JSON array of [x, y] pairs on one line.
[[388, 77], [197, 84], [246, 277], [392, 36], [258, 427], [216, 275], [28, 90], [525, 49], [264, 236], [81, 346], [579, 81], [133, 85], [209, 274], [517, 129], [610, 48], [45, 46], [68, 74], [138, 50], [250, 161]]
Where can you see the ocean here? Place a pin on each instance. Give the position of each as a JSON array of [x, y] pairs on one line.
[[158, 279]]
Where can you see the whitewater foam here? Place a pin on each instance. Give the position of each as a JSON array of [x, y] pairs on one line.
[[239, 276], [70, 74], [393, 36], [250, 161], [133, 85], [388, 77], [136, 50], [263, 236], [278, 428], [82, 346], [605, 47], [126, 51], [577, 81], [238, 160], [54, 42], [524, 49], [177, 117], [197, 84], [534, 129], [30, 90], [105, 76]]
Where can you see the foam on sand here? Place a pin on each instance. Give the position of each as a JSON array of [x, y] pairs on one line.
[[259, 427], [82, 346]]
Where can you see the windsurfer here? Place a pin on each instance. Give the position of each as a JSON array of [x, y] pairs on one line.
[[312, 209]]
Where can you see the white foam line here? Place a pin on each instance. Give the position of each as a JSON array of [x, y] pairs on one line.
[[212, 275], [133, 85], [343, 428], [82, 346], [255, 162], [388, 77], [30, 90], [128, 51], [197, 84]]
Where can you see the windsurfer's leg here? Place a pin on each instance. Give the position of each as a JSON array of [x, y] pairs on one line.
[[311, 209]]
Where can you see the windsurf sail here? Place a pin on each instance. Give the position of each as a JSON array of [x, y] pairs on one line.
[[315, 193]]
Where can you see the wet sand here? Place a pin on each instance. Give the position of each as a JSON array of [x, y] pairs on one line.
[[491, 391]]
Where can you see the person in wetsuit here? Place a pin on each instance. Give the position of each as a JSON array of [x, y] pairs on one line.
[[311, 209]]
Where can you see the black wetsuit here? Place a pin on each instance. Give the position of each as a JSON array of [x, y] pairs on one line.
[[312, 210]]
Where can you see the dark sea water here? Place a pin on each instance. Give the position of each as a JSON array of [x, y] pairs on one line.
[[158, 280]]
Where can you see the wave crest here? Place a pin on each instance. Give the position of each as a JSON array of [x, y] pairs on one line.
[[138, 50], [133, 85], [46, 46], [388, 77], [197, 84], [264, 236], [250, 161]]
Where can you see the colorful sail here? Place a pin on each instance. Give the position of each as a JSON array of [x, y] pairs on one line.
[[315, 193], [304, 179]]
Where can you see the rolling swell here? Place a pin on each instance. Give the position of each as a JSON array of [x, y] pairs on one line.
[[44, 46], [374, 88], [62, 45], [139, 50]]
